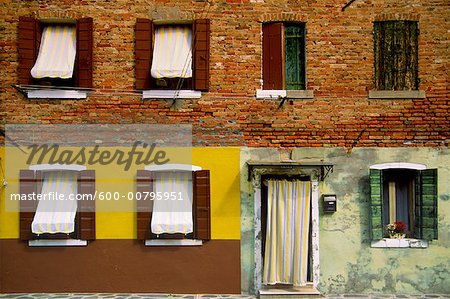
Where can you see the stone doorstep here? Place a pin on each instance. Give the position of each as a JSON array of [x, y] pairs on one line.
[[291, 292]]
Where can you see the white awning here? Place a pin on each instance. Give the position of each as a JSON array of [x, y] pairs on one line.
[[56, 58], [56, 213], [172, 52]]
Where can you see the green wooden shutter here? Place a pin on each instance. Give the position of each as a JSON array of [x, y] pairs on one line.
[[144, 185], [143, 52], [86, 208], [376, 204], [426, 205], [396, 55], [295, 57], [272, 56], [201, 54], [84, 52], [202, 205]]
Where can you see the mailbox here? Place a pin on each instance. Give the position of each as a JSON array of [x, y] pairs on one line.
[[329, 203]]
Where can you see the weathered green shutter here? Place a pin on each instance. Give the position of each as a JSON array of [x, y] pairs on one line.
[[294, 45], [376, 204], [396, 55], [426, 205]]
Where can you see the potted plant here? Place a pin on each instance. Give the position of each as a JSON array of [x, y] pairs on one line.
[[396, 230]]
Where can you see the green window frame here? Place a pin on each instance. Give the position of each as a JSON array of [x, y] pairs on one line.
[[424, 207]]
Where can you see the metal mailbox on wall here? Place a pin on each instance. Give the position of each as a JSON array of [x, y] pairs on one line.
[[329, 203]]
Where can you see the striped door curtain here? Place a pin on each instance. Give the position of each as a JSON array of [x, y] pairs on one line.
[[287, 234], [172, 206], [56, 58], [172, 52], [56, 216]]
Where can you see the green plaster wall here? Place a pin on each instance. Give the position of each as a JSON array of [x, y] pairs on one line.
[[347, 262]]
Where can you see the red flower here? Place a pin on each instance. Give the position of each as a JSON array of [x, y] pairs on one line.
[[400, 227]]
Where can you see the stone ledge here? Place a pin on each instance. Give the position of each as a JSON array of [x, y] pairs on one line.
[[397, 94], [399, 243]]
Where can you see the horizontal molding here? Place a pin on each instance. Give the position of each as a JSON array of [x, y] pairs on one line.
[[397, 94], [399, 243], [56, 243], [171, 94], [173, 242], [56, 94], [289, 94], [399, 165]]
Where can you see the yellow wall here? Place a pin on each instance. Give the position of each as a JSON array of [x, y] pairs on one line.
[[113, 223]]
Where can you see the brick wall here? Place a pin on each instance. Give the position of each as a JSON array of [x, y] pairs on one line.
[[339, 70]]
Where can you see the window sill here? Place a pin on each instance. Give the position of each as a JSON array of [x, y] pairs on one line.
[[399, 243], [396, 94], [55, 94], [171, 94], [290, 94], [173, 242], [57, 243]]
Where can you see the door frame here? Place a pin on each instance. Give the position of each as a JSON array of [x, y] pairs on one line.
[[314, 175]]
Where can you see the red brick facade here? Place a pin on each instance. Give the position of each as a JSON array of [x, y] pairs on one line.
[[340, 70]]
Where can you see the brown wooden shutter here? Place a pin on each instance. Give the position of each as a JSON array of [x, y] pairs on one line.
[[144, 184], [86, 207], [28, 47], [202, 204], [27, 207], [143, 52], [273, 56], [84, 52], [201, 54]]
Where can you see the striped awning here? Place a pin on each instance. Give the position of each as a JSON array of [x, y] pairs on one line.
[[172, 52], [56, 216], [172, 207], [56, 58]]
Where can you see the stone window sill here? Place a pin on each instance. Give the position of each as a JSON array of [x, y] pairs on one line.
[[55, 94], [399, 243], [56, 243], [171, 94], [173, 242], [396, 94], [289, 94]]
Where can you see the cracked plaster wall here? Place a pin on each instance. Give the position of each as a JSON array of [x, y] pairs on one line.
[[347, 262]]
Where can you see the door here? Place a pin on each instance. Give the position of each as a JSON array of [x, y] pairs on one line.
[[286, 231]]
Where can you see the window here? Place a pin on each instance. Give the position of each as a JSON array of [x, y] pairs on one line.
[[178, 205], [172, 57], [284, 58], [396, 55], [404, 194], [55, 54], [57, 219]]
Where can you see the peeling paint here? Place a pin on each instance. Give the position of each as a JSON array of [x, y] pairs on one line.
[[347, 262]]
